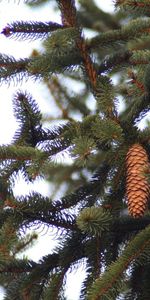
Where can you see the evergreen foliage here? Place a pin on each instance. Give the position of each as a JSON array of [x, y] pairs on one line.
[[91, 219]]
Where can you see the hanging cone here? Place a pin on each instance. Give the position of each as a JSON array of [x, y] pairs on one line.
[[137, 186]]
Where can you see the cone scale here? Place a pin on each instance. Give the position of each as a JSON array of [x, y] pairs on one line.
[[137, 186]]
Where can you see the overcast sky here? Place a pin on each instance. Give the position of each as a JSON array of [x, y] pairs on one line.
[[12, 10]]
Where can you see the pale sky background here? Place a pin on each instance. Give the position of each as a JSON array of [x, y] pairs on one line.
[[11, 10]]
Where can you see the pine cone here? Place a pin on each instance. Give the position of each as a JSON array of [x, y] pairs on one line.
[[136, 183]]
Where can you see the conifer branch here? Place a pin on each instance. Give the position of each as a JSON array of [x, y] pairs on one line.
[[94, 221], [68, 12], [138, 84], [88, 64], [111, 278], [137, 110], [43, 66], [17, 267], [134, 29], [113, 61], [99, 17], [55, 286], [127, 224], [30, 30], [90, 217], [20, 153], [132, 4], [25, 105], [10, 68], [25, 217]]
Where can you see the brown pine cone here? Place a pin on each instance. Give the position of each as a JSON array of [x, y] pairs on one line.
[[137, 186]]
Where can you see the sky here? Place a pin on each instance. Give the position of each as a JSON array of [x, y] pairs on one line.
[[11, 10]]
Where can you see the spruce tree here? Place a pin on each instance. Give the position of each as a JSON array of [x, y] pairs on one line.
[[102, 219]]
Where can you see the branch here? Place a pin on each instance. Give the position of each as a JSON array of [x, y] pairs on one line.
[[30, 30], [108, 284]]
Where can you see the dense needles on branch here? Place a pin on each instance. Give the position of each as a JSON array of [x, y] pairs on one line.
[[31, 30], [91, 148]]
